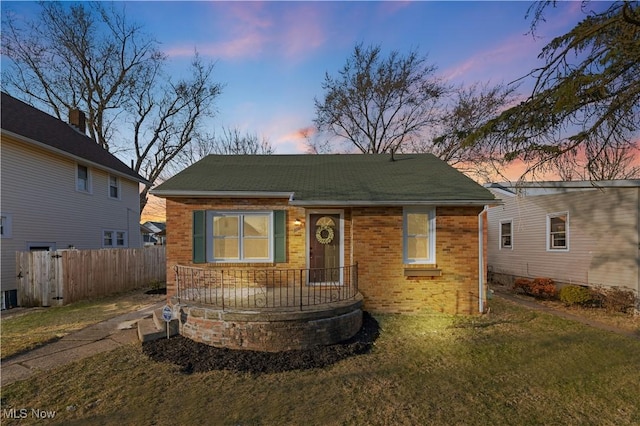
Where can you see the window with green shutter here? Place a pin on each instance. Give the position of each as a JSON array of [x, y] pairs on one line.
[[239, 236]]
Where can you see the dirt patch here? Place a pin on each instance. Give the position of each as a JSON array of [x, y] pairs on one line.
[[196, 357]]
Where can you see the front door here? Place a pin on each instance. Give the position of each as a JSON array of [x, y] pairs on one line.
[[324, 248]]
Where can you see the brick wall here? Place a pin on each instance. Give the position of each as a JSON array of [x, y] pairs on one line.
[[180, 228], [373, 239], [377, 247]]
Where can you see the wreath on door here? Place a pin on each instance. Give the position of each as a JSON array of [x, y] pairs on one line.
[[324, 234]]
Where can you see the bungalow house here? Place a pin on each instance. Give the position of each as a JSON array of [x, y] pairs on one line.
[[410, 225], [60, 190], [583, 233]]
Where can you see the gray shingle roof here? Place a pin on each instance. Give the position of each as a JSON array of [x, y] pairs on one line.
[[328, 179], [24, 120]]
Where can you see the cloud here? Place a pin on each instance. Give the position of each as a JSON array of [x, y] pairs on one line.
[[302, 30], [292, 142], [253, 29], [515, 58]]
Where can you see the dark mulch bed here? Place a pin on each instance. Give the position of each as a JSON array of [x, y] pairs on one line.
[[196, 357]]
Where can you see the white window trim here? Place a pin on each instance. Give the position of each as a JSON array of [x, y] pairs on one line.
[[500, 246], [431, 212], [209, 237], [119, 186], [7, 225], [115, 238], [89, 179], [566, 232]]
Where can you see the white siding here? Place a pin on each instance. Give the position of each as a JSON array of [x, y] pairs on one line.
[[39, 191], [603, 237]]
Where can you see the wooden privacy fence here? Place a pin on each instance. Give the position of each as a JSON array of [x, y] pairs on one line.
[[54, 278]]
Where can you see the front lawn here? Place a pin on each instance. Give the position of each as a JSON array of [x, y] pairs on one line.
[[512, 366], [34, 327]]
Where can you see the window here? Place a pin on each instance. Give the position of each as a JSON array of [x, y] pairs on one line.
[[114, 239], [82, 178], [5, 225], [419, 236], [506, 236], [558, 231], [114, 187], [240, 236]]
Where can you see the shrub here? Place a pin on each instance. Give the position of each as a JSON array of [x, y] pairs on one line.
[[540, 287], [617, 299], [575, 295], [522, 285], [544, 288]]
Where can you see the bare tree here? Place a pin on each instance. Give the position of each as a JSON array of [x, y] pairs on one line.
[[598, 162], [231, 142], [378, 103], [90, 56], [468, 108]]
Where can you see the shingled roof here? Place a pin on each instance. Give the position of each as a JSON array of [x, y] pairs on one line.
[[340, 179], [33, 126]]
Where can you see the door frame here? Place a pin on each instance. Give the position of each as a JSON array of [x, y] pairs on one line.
[[308, 236]]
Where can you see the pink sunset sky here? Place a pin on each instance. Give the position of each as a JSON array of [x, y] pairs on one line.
[[272, 56]]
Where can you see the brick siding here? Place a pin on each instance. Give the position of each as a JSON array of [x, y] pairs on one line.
[[373, 239]]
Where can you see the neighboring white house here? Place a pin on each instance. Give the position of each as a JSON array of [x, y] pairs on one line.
[[580, 233], [59, 190]]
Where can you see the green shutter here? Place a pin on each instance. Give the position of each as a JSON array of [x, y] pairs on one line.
[[199, 236], [280, 235]]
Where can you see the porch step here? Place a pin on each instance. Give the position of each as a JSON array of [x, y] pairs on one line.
[[154, 327]]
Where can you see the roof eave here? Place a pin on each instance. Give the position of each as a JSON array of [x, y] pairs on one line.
[[170, 193], [318, 203], [364, 203]]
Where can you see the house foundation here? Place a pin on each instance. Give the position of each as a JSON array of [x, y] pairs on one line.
[[271, 331]]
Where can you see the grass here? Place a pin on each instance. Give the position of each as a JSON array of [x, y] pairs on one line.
[[513, 366], [37, 326]]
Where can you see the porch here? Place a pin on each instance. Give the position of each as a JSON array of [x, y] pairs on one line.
[[231, 289]]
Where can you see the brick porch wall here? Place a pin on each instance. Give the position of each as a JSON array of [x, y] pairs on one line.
[[373, 239]]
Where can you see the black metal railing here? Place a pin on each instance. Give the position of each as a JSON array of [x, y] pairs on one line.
[[265, 289]]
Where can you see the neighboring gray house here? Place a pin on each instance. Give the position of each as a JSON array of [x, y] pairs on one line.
[[60, 190], [584, 233], [156, 234]]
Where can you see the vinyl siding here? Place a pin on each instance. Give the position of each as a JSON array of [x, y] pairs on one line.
[[603, 237], [39, 191]]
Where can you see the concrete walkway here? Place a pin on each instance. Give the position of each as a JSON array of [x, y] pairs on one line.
[[101, 337]]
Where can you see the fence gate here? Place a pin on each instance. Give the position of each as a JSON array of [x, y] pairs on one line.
[[40, 278], [55, 278]]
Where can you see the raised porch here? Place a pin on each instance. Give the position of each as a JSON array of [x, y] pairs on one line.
[[268, 309]]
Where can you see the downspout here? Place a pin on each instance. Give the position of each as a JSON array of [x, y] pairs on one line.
[[481, 259]]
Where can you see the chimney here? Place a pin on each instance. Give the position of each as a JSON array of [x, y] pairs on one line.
[[78, 120]]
